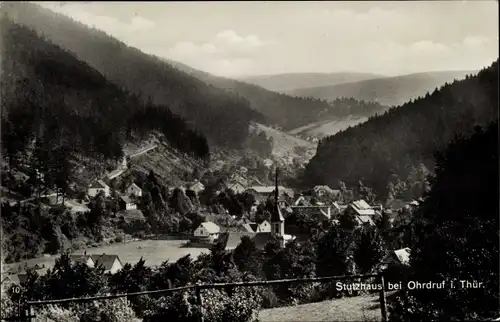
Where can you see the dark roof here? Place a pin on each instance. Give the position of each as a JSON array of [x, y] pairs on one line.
[[99, 184], [254, 226], [395, 204], [106, 260], [232, 239], [261, 239], [80, 258], [126, 199], [277, 215]]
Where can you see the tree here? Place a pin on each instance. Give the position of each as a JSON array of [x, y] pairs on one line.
[[369, 250], [245, 256], [455, 235], [333, 249]]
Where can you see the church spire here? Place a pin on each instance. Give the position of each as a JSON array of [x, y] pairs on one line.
[[276, 192]]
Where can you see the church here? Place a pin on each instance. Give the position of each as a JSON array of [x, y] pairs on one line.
[[232, 239]]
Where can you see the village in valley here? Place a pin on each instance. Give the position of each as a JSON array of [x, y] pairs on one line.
[[333, 162], [264, 220]]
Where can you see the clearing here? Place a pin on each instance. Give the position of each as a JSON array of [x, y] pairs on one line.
[[326, 128], [284, 144]]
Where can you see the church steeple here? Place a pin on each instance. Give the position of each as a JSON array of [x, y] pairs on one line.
[[277, 220]]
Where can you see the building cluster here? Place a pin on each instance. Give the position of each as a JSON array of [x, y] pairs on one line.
[[127, 198]]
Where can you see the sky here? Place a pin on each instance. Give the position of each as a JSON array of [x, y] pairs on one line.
[[236, 39]]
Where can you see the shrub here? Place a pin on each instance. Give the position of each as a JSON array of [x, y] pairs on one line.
[[7, 307], [119, 239], [52, 313], [117, 310]]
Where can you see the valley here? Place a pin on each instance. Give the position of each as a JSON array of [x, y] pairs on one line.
[[152, 155]]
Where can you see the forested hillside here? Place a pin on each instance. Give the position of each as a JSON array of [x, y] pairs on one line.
[[390, 91], [204, 106], [389, 147], [60, 104], [284, 110]]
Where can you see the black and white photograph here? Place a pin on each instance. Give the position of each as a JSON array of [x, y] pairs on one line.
[[249, 161]]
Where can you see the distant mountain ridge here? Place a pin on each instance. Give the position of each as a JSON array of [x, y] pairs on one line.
[[390, 91], [286, 111], [288, 82]]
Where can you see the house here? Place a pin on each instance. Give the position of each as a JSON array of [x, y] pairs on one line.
[[324, 190], [9, 280], [83, 259], [111, 263], [319, 210], [363, 212], [396, 258], [207, 230], [98, 187], [264, 227], [126, 203], [236, 187], [134, 190], [197, 187], [338, 208], [262, 193], [395, 205], [116, 173]]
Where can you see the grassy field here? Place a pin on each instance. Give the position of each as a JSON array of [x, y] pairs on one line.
[[284, 143], [326, 128], [360, 308]]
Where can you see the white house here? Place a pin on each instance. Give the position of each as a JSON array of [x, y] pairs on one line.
[[264, 227], [111, 263], [127, 204], [197, 187], [96, 187], [207, 230], [134, 190]]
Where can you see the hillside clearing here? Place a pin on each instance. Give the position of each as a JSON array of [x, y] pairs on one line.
[[359, 308], [285, 144], [326, 128]]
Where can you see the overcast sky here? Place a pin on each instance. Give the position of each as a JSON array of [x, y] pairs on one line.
[[249, 38]]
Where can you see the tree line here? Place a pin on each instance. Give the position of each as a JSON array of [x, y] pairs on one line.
[[205, 107], [55, 107]]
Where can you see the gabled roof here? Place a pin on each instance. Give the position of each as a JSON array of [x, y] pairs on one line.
[[361, 204], [247, 227], [133, 185], [80, 258], [362, 208], [264, 221], [395, 204], [363, 219], [403, 255], [327, 189], [126, 199], [263, 189], [105, 260], [197, 184], [99, 184], [211, 227], [261, 239]]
